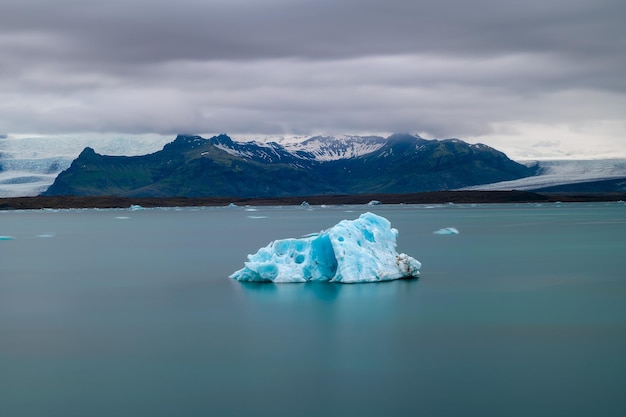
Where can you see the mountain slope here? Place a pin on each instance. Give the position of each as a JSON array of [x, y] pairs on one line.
[[190, 166], [193, 166], [408, 163]]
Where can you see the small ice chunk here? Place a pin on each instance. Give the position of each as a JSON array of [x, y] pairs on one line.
[[447, 231], [361, 250], [374, 203], [135, 207], [6, 237], [305, 204]]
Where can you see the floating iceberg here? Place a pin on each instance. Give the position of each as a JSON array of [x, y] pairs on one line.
[[447, 231], [361, 250]]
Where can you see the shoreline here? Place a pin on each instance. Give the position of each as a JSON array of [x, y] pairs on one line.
[[433, 197]]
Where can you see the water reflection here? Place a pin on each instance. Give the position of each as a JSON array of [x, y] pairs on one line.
[[324, 291]]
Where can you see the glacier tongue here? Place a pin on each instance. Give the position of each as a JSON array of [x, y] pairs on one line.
[[29, 165], [361, 250]]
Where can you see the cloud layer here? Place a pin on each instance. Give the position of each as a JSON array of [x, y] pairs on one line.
[[511, 74]]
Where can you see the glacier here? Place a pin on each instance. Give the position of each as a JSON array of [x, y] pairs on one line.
[[29, 165], [352, 251], [560, 172]]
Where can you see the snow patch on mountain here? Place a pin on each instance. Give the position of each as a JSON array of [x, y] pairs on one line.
[[318, 148], [330, 148], [268, 152]]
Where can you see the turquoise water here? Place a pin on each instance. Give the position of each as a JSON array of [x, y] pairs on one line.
[[131, 313]]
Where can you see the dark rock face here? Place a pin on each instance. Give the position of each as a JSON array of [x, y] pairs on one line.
[[192, 166]]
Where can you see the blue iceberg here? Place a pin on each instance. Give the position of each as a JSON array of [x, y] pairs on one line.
[[361, 250]]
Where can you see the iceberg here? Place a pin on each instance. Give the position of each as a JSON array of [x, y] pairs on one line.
[[361, 250], [447, 231]]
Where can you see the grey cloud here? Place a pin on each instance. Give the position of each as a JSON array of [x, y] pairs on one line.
[[448, 67], [205, 30], [447, 97]]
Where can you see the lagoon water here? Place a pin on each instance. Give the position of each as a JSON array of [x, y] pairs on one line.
[[130, 313]]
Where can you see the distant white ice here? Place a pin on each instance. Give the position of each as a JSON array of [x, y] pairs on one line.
[[560, 172], [447, 231], [361, 250]]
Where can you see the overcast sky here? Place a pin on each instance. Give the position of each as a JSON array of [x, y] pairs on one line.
[[527, 77]]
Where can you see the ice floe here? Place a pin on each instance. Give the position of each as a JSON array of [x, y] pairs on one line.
[[447, 231]]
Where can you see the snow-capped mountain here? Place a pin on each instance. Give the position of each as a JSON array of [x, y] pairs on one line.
[[29, 165], [192, 166]]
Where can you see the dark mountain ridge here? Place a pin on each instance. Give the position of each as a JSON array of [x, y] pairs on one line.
[[192, 166]]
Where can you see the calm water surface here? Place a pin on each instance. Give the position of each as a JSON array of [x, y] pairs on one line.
[[131, 313]]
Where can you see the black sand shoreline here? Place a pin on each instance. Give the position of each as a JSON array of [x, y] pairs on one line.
[[436, 197]]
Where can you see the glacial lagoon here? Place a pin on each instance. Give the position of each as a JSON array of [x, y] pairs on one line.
[[131, 313]]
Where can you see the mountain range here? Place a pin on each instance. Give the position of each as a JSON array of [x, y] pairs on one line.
[[193, 166]]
